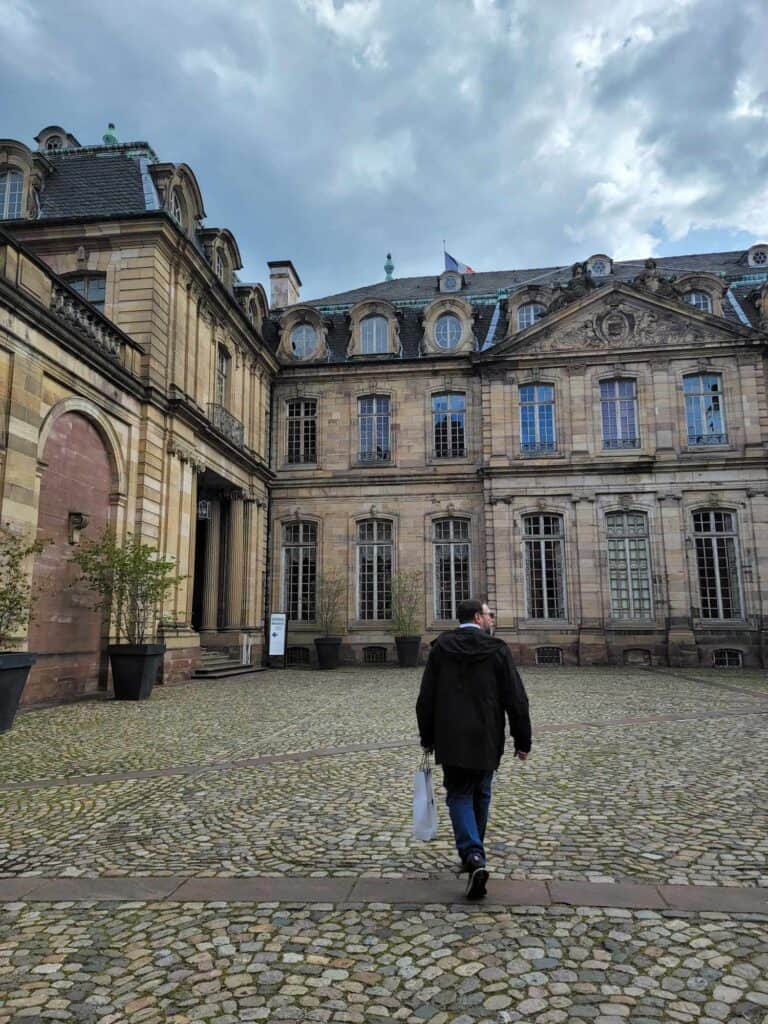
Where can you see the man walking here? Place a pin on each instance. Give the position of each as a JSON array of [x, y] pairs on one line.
[[469, 684]]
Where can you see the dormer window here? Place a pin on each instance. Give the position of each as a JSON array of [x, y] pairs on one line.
[[599, 265], [176, 207], [11, 194], [528, 314], [699, 300], [374, 335], [218, 265], [54, 144], [448, 331], [758, 257], [450, 281], [303, 340]]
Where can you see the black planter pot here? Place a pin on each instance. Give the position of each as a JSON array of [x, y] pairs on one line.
[[408, 650], [14, 669], [134, 669], [328, 648]]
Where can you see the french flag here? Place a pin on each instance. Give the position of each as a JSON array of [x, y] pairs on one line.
[[452, 264]]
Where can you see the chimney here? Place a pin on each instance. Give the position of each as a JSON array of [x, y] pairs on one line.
[[284, 284]]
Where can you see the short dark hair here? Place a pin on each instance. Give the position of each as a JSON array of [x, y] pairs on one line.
[[467, 610]]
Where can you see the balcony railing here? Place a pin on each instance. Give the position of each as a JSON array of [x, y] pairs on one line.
[[227, 424], [377, 454], [536, 447], [81, 315], [621, 442], [699, 439]]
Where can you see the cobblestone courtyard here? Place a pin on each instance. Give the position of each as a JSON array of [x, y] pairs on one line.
[[241, 850]]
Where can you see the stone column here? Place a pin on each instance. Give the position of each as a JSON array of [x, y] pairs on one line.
[[681, 642], [251, 561], [212, 553], [588, 584], [758, 500], [235, 562]]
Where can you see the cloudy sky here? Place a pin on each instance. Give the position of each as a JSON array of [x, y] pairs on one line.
[[526, 133]]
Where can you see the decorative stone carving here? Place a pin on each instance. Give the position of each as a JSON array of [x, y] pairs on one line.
[[80, 315], [650, 280], [622, 325], [581, 284]]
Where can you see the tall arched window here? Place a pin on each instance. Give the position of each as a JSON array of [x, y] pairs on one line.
[[374, 335], [704, 408], [544, 566], [618, 407], [701, 300], [717, 563], [374, 569], [300, 571], [452, 565], [176, 206], [11, 194], [629, 565], [373, 417], [529, 313]]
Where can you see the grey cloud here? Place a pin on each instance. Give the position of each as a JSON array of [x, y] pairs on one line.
[[487, 131]]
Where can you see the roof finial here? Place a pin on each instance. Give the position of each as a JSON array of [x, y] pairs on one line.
[[389, 267], [109, 138]]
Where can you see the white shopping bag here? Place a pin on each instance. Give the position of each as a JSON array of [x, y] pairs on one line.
[[424, 808]]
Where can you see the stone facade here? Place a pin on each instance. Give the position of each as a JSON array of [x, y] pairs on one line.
[[586, 448], [161, 381]]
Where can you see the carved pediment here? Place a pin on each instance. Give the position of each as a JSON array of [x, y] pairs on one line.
[[618, 321]]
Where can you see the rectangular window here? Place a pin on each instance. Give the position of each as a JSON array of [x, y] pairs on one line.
[[717, 564], [222, 376], [302, 430], [374, 569], [544, 566], [704, 409], [373, 426], [448, 425], [618, 405], [300, 571], [629, 565], [537, 418], [452, 566], [92, 288]]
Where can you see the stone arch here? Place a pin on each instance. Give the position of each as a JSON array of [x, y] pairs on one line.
[[101, 423], [79, 468]]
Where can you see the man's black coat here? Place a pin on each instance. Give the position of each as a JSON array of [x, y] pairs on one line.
[[468, 686]]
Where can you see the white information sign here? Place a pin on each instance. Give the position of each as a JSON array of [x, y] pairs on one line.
[[277, 634]]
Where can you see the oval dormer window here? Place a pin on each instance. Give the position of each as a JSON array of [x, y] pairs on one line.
[[451, 283], [303, 340], [448, 331]]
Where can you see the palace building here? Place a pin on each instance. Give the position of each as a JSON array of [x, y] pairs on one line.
[[586, 446]]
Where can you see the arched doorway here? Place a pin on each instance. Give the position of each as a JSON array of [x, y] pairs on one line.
[[66, 633]]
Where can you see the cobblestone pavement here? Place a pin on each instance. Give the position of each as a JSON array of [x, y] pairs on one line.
[[677, 796]]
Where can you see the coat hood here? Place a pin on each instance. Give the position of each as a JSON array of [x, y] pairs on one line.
[[469, 644]]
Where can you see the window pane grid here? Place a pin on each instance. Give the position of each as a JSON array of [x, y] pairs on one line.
[[544, 566], [373, 335], [374, 569], [452, 566], [717, 564], [629, 566], [537, 418], [302, 431], [300, 570], [529, 314], [374, 433], [704, 409], [619, 414], [448, 418], [11, 193]]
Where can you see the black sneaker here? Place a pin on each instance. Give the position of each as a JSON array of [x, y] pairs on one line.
[[478, 876]]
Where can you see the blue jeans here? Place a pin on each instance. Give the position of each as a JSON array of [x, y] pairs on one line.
[[468, 795]]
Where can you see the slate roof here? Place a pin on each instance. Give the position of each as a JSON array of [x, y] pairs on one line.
[[425, 289], [487, 293], [92, 184]]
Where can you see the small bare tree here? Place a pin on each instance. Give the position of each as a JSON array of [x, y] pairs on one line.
[[329, 603], [407, 596]]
